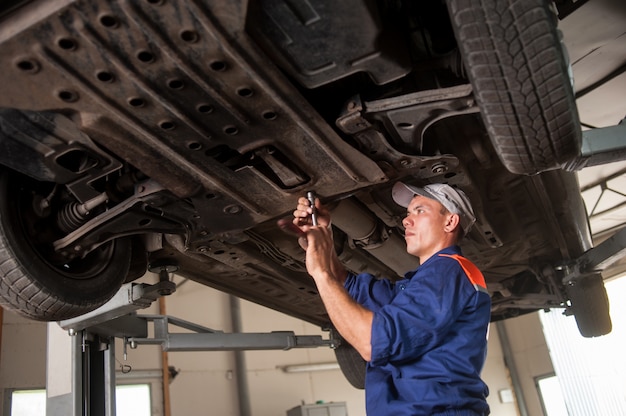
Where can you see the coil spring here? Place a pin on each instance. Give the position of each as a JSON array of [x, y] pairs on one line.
[[71, 217]]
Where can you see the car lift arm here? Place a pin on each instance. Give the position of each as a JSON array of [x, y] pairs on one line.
[[599, 258], [605, 254], [205, 339], [118, 318], [601, 146]]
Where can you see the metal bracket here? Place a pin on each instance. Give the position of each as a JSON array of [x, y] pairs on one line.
[[601, 146], [598, 258]]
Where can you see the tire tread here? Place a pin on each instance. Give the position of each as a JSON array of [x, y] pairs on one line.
[[520, 81]]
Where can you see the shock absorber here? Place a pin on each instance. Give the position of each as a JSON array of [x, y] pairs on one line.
[[74, 214]]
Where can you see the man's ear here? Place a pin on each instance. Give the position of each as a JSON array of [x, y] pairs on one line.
[[452, 222]]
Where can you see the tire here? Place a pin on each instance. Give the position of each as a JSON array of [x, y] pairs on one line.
[[590, 305], [519, 72], [32, 283], [352, 365]]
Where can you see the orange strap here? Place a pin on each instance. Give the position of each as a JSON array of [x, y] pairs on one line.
[[474, 275]]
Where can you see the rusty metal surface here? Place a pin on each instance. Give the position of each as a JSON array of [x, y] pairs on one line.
[[166, 85]]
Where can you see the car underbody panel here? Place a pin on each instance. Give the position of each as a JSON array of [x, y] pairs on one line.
[[193, 127]]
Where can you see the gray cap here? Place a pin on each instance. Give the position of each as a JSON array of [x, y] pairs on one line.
[[453, 199]]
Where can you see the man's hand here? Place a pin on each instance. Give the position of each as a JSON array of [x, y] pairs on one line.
[[352, 320], [320, 253], [302, 215], [303, 221]]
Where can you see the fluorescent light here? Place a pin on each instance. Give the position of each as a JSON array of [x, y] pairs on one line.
[[301, 368]]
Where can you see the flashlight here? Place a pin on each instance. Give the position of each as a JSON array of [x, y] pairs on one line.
[[311, 197]]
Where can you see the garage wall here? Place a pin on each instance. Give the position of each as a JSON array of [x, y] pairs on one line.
[[23, 355], [206, 381], [531, 356]]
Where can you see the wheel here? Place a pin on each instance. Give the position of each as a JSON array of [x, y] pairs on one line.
[[35, 282], [590, 305], [352, 365], [519, 72]]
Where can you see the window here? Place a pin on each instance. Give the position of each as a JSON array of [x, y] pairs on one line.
[[130, 400], [551, 396], [28, 403], [590, 370]]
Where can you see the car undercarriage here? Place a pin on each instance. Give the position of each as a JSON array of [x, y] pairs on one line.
[[140, 135]]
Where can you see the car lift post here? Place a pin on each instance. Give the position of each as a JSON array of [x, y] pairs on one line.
[[93, 345]]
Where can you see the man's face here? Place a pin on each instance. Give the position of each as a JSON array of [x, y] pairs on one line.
[[424, 226]]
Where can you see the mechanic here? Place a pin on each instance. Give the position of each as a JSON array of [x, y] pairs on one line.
[[424, 337]]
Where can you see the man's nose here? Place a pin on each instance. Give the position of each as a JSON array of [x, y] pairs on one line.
[[406, 221]]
